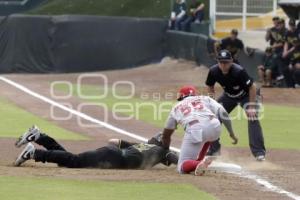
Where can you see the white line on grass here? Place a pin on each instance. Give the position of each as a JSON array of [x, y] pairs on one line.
[[255, 178]]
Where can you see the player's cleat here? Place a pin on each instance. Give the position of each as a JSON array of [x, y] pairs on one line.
[[26, 154], [202, 166], [31, 135], [260, 158]]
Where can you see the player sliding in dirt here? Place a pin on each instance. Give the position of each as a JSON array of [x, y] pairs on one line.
[[199, 115], [118, 154]]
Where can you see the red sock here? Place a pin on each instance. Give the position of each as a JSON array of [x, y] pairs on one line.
[[189, 166], [203, 151]]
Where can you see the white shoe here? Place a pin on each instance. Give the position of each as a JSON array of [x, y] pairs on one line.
[[260, 158], [26, 154], [197, 21], [202, 166], [279, 78], [30, 136]]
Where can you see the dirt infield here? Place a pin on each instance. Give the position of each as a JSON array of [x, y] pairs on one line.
[[282, 167]]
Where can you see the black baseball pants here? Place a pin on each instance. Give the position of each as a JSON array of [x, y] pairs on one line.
[[107, 157], [256, 139]]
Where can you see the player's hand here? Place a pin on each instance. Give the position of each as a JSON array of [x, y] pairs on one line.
[[251, 114], [234, 138]]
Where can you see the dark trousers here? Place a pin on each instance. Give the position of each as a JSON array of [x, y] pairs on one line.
[[256, 139], [296, 76], [108, 157], [186, 24], [176, 24]]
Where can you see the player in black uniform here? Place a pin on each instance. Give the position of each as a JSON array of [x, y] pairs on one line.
[[118, 154], [295, 65], [232, 44], [238, 89], [291, 42], [277, 39], [271, 32]]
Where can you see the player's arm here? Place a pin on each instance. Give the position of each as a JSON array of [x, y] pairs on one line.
[[210, 82], [166, 137], [169, 129], [120, 143], [268, 35], [223, 116], [200, 7], [225, 119]]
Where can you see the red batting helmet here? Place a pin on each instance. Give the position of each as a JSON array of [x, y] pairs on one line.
[[186, 91]]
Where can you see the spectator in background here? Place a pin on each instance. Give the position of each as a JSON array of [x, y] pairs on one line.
[[295, 65], [271, 32], [291, 40], [232, 44], [195, 14], [267, 70], [178, 15], [277, 42]]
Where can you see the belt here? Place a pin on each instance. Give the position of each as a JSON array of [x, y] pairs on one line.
[[191, 123], [196, 121], [236, 96]]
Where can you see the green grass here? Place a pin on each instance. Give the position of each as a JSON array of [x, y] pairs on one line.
[[132, 8], [135, 108], [280, 123], [15, 188], [15, 121], [280, 126]]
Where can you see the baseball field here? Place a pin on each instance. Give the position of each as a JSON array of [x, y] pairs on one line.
[[138, 101]]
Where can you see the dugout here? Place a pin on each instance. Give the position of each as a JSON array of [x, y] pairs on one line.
[[291, 8]]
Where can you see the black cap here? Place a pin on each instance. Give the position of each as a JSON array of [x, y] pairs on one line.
[[224, 55]]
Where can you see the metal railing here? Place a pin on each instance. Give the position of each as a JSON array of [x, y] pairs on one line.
[[240, 8]]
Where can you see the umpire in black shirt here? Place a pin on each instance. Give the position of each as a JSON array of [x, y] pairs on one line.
[[238, 89]]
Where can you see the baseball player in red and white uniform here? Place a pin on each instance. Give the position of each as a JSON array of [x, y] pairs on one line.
[[200, 117]]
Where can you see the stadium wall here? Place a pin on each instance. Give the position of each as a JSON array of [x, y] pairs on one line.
[[76, 43], [71, 43], [199, 48]]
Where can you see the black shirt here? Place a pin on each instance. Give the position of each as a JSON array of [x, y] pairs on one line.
[[278, 36], [236, 83], [291, 37], [143, 155], [232, 45], [295, 58]]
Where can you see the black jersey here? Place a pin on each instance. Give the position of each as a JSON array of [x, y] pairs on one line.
[[236, 82], [295, 58], [278, 36], [232, 45], [142, 155], [292, 38]]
